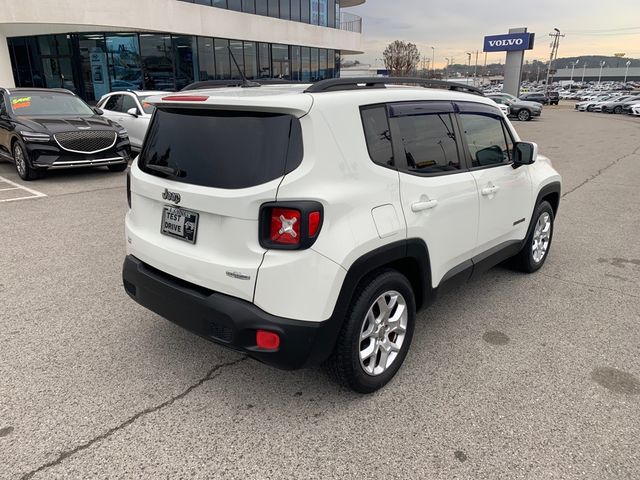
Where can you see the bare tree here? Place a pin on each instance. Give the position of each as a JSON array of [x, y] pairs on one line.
[[401, 58]]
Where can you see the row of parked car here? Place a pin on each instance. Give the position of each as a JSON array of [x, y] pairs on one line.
[[613, 102]]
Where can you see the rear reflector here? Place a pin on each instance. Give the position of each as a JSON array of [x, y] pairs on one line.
[[186, 98], [314, 223], [267, 340]]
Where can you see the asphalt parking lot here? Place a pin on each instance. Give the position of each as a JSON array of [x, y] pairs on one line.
[[511, 377]]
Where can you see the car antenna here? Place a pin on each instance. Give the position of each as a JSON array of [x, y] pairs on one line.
[[245, 83]]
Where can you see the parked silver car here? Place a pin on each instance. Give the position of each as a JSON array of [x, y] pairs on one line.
[[130, 110]]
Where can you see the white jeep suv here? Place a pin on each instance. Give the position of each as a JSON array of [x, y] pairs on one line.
[[306, 224]]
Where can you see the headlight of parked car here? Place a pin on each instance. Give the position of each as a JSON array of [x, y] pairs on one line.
[[35, 137]]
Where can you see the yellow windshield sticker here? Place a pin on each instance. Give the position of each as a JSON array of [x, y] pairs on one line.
[[21, 102]]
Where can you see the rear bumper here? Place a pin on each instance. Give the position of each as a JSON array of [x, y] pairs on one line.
[[227, 320]]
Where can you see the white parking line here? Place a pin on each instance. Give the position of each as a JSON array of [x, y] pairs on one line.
[[34, 193]]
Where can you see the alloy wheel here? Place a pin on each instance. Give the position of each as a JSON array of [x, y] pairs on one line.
[[383, 332], [18, 157], [541, 237]]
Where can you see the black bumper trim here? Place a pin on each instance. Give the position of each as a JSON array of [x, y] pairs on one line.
[[227, 320]]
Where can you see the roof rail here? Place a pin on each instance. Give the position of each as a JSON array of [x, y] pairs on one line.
[[233, 83], [337, 84]]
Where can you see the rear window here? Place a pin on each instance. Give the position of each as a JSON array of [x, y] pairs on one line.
[[221, 149]]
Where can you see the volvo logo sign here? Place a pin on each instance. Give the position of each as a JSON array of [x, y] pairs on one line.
[[509, 42], [171, 196]]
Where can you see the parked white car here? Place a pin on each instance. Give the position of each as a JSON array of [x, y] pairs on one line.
[[131, 110], [306, 224], [635, 110]]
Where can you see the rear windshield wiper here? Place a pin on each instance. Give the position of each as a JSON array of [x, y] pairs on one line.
[[175, 172]]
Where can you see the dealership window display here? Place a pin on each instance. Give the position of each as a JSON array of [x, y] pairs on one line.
[[93, 64]]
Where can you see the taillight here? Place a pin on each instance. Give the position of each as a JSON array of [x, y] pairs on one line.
[[290, 225], [285, 226], [129, 189]]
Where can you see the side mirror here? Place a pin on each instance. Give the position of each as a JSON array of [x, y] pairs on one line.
[[524, 153], [133, 111], [97, 111]]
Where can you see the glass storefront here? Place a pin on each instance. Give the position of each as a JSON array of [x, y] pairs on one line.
[[316, 12], [93, 64]]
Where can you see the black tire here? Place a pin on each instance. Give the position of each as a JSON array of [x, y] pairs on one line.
[[524, 115], [21, 162], [590, 108], [344, 365], [524, 260], [617, 110], [119, 167]]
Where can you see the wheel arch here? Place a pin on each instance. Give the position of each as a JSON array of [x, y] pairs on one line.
[[550, 193], [410, 257]]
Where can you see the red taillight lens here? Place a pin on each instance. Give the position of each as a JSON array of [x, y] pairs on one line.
[[290, 225], [185, 98], [314, 223], [267, 340], [285, 226]]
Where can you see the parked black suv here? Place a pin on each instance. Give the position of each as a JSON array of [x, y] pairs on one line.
[[44, 129], [550, 98]]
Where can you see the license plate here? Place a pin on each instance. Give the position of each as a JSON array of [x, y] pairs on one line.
[[179, 223]]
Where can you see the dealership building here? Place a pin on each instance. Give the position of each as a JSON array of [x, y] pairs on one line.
[[95, 46]]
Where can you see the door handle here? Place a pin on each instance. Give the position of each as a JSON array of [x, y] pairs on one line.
[[420, 206], [490, 191]]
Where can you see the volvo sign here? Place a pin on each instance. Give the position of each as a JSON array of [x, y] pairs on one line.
[[509, 43], [514, 43]]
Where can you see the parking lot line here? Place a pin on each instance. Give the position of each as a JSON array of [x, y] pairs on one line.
[[16, 186]]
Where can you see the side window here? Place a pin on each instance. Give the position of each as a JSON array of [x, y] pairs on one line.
[[128, 102], [486, 139], [378, 135], [429, 143], [114, 103]]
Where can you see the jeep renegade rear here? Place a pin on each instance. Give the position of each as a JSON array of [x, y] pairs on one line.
[[305, 225]]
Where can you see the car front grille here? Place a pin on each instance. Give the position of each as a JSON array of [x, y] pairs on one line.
[[93, 141]]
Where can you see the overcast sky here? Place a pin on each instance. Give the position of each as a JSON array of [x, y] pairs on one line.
[[454, 27]]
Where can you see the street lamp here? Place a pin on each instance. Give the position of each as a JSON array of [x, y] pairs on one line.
[[573, 65], [600, 76], [469, 69], [447, 70], [433, 60], [627, 71], [584, 67]]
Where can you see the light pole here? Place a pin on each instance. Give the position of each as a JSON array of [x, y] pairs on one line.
[[626, 73], [600, 76], [573, 65], [584, 67], [433, 60], [447, 70], [469, 68]]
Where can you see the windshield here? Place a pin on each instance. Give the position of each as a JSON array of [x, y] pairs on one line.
[[146, 106], [47, 103]]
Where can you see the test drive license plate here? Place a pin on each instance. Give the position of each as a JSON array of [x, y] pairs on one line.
[[179, 223]]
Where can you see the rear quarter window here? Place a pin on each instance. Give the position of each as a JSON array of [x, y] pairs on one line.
[[221, 149]]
